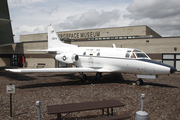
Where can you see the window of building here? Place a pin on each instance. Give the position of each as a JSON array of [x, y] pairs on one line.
[[120, 37], [112, 38], [116, 38], [14, 60], [172, 60], [125, 37]]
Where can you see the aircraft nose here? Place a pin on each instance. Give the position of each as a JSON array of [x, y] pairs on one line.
[[173, 70]]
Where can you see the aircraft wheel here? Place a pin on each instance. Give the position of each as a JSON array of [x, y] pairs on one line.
[[139, 81], [98, 75], [83, 78]]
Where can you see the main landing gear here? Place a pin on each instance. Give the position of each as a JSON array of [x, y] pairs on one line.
[[84, 77], [139, 82]]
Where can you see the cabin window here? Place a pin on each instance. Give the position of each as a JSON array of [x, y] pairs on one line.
[[127, 55], [98, 54]]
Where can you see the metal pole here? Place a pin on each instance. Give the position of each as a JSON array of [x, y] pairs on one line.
[[10, 104], [38, 104], [142, 102], [142, 115]]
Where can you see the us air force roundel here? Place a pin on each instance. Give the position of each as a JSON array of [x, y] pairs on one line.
[[64, 58]]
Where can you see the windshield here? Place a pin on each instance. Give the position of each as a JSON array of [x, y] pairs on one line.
[[141, 55], [136, 54]]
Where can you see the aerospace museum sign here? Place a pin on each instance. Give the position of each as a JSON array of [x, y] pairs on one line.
[[78, 35]]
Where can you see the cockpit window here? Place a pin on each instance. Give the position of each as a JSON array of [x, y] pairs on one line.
[[136, 50], [141, 55]]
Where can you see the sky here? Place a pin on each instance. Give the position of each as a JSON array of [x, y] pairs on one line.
[[33, 16]]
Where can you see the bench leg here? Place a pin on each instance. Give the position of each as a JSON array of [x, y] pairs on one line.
[[107, 111], [102, 112], [111, 111], [58, 116]]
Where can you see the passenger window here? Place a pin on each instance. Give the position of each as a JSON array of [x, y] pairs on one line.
[[127, 55], [98, 54]]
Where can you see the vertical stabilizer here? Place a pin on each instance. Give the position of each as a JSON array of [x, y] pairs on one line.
[[54, 41]]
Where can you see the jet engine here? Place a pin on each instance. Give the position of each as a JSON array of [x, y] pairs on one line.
[[67, 57]]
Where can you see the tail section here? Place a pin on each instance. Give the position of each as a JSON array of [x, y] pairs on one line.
[[54, 41]]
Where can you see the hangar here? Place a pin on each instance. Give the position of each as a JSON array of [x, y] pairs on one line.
[[162, 49]]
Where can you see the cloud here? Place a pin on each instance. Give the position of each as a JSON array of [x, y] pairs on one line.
[[86, 20], [91, 18], [162, 16], [49, 11], [15, 3], [26, 29]]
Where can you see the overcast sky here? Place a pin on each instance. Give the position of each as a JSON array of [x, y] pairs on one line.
[[33, 16]]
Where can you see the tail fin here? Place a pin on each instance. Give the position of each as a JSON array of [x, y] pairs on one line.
[[54, 41]]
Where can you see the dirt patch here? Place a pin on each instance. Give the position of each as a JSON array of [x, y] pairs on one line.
[[162, 96]]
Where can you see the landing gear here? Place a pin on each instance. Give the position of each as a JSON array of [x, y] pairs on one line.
[[83, 77], [98, 75], [139, 82]]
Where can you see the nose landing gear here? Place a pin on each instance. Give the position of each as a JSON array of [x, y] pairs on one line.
[[139, 82]]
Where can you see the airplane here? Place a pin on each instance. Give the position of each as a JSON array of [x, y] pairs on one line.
[[101, 60]]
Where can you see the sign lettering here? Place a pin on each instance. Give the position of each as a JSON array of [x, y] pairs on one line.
[[79, 35]]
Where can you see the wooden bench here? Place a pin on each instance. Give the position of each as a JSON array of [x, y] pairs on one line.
[[85, 106], [118, 117]]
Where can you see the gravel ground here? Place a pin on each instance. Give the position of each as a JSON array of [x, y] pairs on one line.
[[162, 96]]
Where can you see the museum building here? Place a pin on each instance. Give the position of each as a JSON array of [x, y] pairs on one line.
[[162, 49]]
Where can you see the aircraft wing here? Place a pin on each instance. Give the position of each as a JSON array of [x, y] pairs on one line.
[[60, 70]]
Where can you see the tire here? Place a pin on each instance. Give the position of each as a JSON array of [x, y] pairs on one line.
[[84, 78], [139, 81], [98, 75]]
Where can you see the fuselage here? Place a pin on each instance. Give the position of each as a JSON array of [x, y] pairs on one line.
[[124, 60]]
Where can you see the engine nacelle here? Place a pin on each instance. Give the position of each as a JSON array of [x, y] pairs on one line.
[[67, 57]]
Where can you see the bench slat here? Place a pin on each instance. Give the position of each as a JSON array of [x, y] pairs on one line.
[[76, 107]]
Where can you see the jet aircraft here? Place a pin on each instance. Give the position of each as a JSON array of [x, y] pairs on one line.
[[100, 60]]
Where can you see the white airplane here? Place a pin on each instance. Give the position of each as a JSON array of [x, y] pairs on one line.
[[100, 60]]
